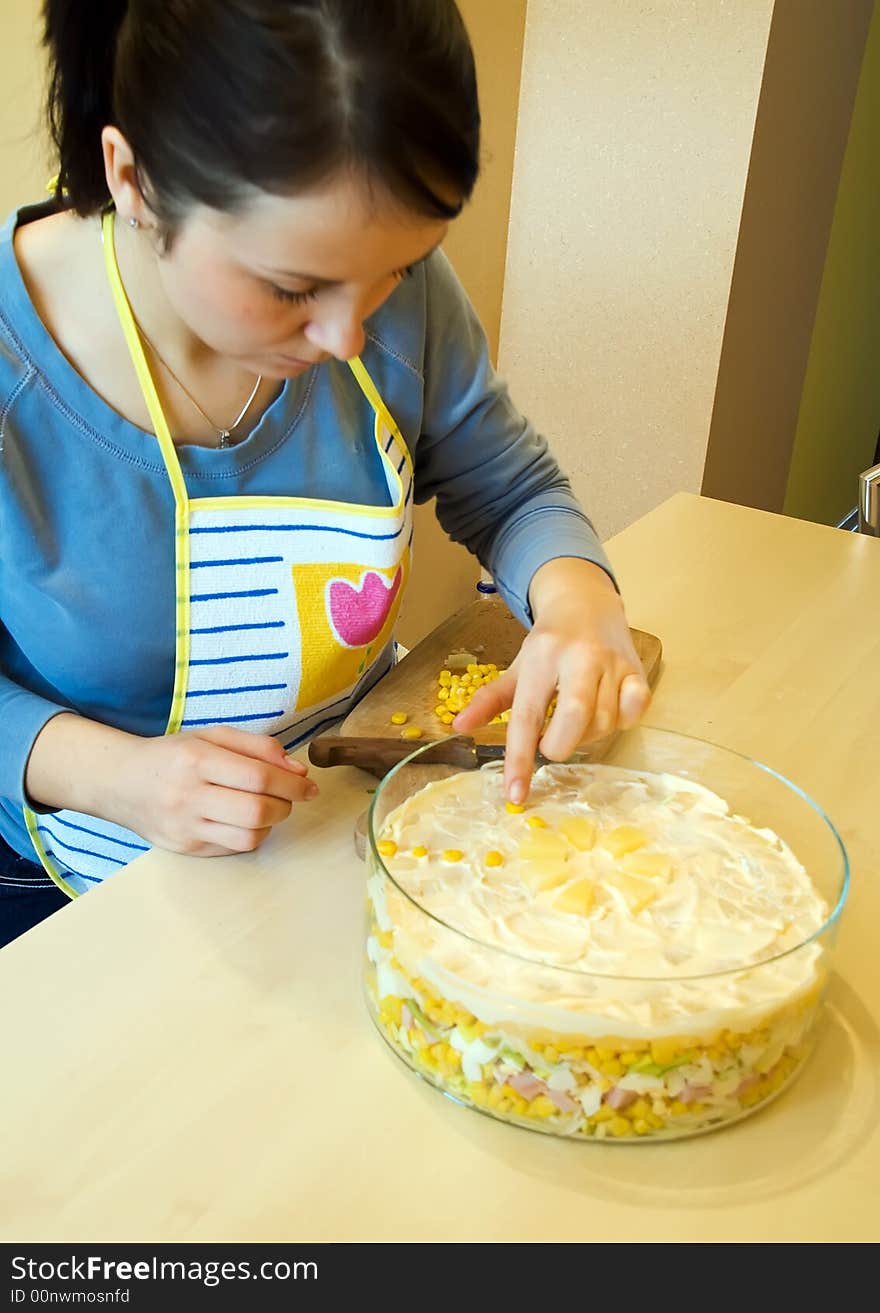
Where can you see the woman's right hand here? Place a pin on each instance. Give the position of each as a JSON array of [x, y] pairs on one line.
[[207, 793]]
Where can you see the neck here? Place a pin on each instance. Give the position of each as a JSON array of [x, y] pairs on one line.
[[142, 279]]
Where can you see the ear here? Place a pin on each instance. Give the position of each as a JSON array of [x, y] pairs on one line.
[[122, 179]]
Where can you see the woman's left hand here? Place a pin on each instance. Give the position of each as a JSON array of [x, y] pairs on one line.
[[579, 651]]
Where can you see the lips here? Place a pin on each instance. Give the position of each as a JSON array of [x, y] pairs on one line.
[[358, 614]]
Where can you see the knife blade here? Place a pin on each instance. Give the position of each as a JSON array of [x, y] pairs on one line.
[[378, 754]]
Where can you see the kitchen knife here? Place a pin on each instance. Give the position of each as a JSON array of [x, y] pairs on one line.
[[381, 754]]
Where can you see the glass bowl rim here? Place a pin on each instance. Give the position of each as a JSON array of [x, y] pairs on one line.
[[575, 759]]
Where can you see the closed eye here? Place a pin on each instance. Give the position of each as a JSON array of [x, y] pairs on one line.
[[293, 298], [289, 297]]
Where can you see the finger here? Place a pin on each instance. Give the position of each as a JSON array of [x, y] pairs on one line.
[[634, 698], [230, 770], [488, 701], [228, 839], [260, 746], [531, 699], [575, 710], [604, 718], [242, 810]]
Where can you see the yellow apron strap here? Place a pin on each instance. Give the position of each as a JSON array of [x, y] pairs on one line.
[[371, 392], [139, 360], [172, 465]]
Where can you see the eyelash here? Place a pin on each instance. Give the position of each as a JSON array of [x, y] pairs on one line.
[[301, 298]]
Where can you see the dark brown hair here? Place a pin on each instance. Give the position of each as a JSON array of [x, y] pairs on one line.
[[219, 96]]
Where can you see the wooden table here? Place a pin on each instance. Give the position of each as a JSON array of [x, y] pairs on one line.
[[186, 1056]]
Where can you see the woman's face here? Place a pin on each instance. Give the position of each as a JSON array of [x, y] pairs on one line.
[[288, 281]]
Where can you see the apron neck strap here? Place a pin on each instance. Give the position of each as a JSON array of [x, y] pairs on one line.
[[139, 359]]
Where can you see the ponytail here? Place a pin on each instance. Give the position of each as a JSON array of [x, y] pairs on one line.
[[81, 37]]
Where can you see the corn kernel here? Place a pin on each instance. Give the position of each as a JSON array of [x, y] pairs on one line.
[[641, 1127], [391, 1009], [603, 1114], [551, 1054], [411, 732], [447, 718], [420, 850], [399, 718], [452, 855], [641, 1108], [445, 678], [536, 823], [619, 1126], [387, 847], [664, 1051], [514, 808], [541, 1106], [385, 938], [573, 1055], [440, 710], [629, 1058], [677, 1107], [496, 1094], [494, 858], [612, 1067]]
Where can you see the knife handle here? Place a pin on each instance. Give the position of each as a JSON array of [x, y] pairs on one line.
[[368, 754]]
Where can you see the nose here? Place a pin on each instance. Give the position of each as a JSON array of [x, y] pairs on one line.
[[339, 332]]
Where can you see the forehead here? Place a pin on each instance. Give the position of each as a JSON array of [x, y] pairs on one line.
[[342, 231]]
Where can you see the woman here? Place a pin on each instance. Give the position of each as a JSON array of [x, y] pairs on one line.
[[232, 357]]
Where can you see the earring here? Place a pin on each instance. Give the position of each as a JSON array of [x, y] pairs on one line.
[[133, 222]]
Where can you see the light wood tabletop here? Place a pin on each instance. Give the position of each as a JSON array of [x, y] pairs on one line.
[[186, 1053]]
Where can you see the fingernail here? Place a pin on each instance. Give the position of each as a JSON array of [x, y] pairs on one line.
[[311, 791], [517, 791]]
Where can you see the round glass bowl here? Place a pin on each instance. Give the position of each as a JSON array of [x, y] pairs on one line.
[[623, 1058]]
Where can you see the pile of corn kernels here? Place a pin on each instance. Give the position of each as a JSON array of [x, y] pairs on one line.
[[456, 688]]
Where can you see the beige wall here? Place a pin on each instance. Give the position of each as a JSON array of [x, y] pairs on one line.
[[23, 165], [444, 574], [635, 126]]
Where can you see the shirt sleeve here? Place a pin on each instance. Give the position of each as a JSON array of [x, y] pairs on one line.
[[499, 490], [23, 715]]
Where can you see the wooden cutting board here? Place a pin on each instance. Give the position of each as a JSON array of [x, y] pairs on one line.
[[486, 628]]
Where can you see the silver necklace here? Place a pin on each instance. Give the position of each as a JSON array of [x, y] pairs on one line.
[[223, 435]]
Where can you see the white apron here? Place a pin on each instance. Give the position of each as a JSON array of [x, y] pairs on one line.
[[284, 607]]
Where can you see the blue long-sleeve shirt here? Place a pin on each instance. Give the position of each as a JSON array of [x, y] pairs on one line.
[[87, 615]]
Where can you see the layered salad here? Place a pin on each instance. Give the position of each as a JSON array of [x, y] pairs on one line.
[[622, 958]]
